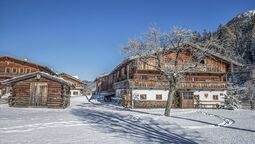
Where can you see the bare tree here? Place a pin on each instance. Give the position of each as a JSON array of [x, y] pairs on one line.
[[154, 48]]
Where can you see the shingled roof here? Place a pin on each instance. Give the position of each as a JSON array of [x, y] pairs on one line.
[[38, 75]]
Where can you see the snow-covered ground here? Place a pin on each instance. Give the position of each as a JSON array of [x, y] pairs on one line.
[[86, 123]]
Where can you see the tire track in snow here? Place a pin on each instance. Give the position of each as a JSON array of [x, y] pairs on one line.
[[225, 122], [31, 127]]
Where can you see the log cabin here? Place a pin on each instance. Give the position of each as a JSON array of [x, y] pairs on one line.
[[11, 67], [138, 85], [38, 89], [78, 88]]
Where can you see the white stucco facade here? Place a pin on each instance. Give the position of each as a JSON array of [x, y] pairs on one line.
[[150, 94], [75, 92], [206, 97]]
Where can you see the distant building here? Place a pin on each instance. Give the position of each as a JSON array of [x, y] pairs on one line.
[[141, 86], [11, 67], [78, 88]]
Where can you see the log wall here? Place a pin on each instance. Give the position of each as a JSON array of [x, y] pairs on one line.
[[56, 97]]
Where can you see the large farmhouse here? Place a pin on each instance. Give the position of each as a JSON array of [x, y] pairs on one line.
[[141, 86]]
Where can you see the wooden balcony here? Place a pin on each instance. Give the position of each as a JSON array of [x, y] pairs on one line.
[[121, 85], [202, 85], [10, 74], [149, 84], [211, 69], [200, 68]]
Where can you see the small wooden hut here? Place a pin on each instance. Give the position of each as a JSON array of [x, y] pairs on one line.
[[38, 89]]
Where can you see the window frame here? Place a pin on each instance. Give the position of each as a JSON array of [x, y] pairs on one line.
[[188, 95], [143, 96], [144, 77], [14, 70], [7, 70], [215, 97], [75, 93], [158, 96]]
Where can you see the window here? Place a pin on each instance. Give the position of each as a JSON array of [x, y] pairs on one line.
[[158, 77], [144, 77], [206, 95], [221, 94], [144, 66], [7, 70], [14, 70], [215, 97], [143, 96], [21, 70], [202, 62], [187, 95], [158, 97], [214, 78], [28, 70], [75, 93], [196, 97]]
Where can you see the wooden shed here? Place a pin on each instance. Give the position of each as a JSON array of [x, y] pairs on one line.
[[38, 89]]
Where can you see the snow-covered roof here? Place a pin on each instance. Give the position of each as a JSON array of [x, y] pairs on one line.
[[69, 76], [36, 74]]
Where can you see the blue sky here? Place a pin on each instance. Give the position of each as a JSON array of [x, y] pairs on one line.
[[84, 37]]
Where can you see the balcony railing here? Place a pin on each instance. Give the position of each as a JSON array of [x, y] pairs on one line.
[[199, 68], [202, 85], [163, 84], [147, 84]]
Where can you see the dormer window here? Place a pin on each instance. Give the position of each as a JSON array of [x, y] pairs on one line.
[[202, 62]]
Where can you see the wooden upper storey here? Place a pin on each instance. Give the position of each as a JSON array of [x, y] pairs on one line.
[[10, 67], [70, 78], [211, 69]]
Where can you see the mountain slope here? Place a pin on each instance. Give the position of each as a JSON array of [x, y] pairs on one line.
[[239, 36]]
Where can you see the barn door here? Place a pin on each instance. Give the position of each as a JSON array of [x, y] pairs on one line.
[[187, 100], [38, 94]]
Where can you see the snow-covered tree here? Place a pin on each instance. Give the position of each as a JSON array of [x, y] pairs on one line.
[[232, 97]]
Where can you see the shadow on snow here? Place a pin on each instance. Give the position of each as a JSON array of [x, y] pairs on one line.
[[135, 128]]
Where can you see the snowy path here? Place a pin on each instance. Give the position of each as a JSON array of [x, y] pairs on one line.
[[83, 122]]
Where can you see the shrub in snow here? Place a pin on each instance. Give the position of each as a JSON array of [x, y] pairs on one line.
[[231, 99]]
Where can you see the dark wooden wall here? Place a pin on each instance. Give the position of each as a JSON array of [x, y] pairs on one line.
[[21, 92]]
